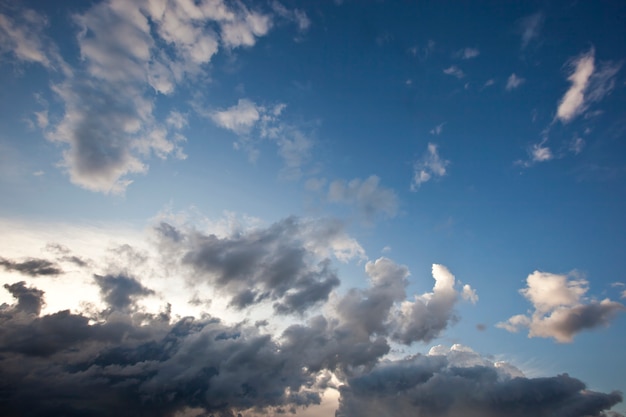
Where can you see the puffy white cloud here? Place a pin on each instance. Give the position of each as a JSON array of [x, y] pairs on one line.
[[428, 166], [513, 82], [560, 308], [239, 118], [368, 196], [540, 153]]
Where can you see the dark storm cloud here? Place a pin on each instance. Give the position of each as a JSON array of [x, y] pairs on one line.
[[60, 364], [272, 264], [33, 267], [29, 300], [435, 386], [118, 291]]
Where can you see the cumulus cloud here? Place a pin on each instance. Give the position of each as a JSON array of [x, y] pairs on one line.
[[530, 28], [560, 308], [124, 360], [368, 196], [454, 71], [239, 118], [458, 382], [286, 264], [513, 82], [33, 267], [427, 167], [588, 84]]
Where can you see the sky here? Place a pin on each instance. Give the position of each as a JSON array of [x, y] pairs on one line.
[[312, 208]]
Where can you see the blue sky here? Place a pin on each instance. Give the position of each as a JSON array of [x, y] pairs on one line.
[[302, 171]]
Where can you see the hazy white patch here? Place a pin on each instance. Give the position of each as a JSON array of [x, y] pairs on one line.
[[576, 145], [468, 53], [454, 71], [513, 82], [368, 196], [530, 27], [437, 129], [429, 166]]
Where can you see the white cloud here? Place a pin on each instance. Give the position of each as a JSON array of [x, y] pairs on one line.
[[468, 53], [469, 294], [560, 308], [22, 35], [368, 196], [297, 16], [239, 118], [589, 83], [454, 71], [513, 82], [540, 153], [428, 166], [573, 102], [489, 82], [530, 27]]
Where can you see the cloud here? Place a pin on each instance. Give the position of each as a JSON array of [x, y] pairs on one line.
[[458, 382], [513, 82], [530, 27], [576, 145], [32, 267], [119, 291], [428, 166], [588, 84], [299, 17], [128, 51], [437, 129], [367, 196], [540, 153], [468, 53], [454, 71], [286, 264], [252, 122], [127, 361], [239, 118], [560, 308], [22, 35]]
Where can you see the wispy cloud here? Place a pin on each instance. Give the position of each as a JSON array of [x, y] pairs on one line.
[[437, 129], [467, 53], [428, 166], [454, 71], [560, 310], [588, 84], [530, 28], [513, 82], [368, 196]]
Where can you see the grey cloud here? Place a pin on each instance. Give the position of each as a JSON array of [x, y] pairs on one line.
[[121, 367], [271, 264], [120, 291], [29, 300], [437, 385], [32, 267]]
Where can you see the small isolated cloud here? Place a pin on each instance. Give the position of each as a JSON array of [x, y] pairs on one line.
[[560, 308], [437, 129], [530, 28], [513, 82], [454, 71], [239, 118], [468, 53], [428, 166], [540, 153], [576, 145], [588, 84], [368, 196]]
